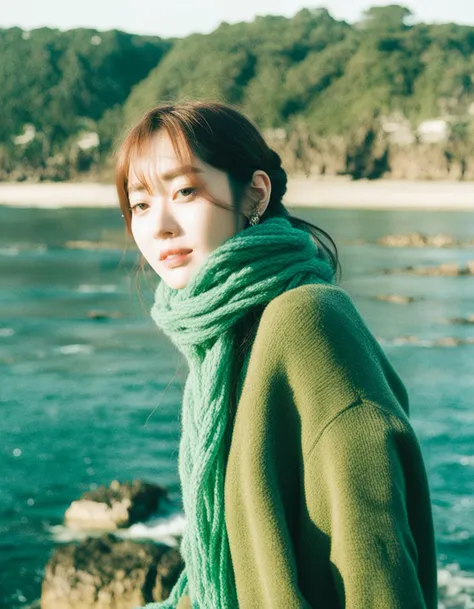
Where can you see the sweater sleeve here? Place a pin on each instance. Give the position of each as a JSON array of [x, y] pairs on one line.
[[368, 467]]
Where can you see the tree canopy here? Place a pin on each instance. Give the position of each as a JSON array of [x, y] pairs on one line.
[[310, 70]]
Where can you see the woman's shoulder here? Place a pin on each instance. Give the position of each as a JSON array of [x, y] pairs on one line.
[[316, 336], [309, 292], [311, 306]]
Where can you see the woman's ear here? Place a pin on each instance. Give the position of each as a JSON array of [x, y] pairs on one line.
[[260, 190]]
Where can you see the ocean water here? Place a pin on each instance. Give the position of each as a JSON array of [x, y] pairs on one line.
[[84, 400]]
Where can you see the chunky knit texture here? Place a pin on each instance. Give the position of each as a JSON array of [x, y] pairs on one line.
[[249, 269]]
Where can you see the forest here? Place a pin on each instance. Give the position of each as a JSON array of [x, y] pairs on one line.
[[387, 96]]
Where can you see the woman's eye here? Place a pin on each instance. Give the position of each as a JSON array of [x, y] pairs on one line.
[[138, 207], [187, 192]]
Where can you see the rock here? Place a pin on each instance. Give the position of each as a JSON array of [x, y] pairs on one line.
[[446, 341], [449, 341], [408, 240], [105, 573], [101, 315], [460, 320], [415, 239], [120, 505], [403, 340], [447, 269], [168, 570], [395, 298]]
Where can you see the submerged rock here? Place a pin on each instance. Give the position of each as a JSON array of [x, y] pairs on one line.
[[102, 315], [105, 573], [119, 505]]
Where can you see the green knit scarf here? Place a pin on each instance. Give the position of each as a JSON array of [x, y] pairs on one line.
[[251, 268]]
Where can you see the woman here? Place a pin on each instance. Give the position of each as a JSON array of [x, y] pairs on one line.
[[303, 483]]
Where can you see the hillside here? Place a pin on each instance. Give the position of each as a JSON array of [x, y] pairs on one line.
[[55, 86], [381, 97]]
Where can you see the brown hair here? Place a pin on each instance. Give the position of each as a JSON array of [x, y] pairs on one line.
[[224, 138]]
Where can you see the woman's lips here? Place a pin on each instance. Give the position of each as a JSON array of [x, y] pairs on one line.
[[176, 259]]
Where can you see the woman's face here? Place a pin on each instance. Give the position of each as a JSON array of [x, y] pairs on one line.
[[176, 213]]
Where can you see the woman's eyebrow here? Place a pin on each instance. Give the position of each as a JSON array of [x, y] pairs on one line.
[[180, 171], [167, 177]]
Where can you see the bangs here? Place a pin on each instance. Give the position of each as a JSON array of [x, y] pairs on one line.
[[139, 153]]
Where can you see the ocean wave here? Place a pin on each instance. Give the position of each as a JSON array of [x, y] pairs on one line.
[[5, 332], [75, 349], [456, 588], [164, 529], [82, 244], [18, 248], [87, 288]]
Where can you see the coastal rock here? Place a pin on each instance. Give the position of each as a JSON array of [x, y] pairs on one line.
[[469, 320], [446, 269], [105, 573], [395, 298], [416, 239], [404, 340], [449, 341], [445, 341], [120, 505]]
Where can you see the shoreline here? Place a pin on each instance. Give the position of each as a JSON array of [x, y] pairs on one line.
[[340, 193]]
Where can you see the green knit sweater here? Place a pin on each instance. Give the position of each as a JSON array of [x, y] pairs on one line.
[[326, 497]]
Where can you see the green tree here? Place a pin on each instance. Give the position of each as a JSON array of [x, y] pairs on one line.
[[389, 17]]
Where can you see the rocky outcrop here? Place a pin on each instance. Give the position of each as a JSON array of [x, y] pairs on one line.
[[105, 573], [367, 153], [119, 505]]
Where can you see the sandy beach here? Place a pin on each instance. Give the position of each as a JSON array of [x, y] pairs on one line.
[[302, 192]]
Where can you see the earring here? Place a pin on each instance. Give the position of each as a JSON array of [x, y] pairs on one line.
[[254, 218]]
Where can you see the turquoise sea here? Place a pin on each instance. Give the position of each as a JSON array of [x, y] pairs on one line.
[[85, 400]]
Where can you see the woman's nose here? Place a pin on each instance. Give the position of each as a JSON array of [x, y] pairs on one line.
[[164, 222]]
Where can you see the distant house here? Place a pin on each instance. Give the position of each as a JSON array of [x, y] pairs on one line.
[[28, 135], [398, 129], [88, 140], [275, 134], [433, 131]]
